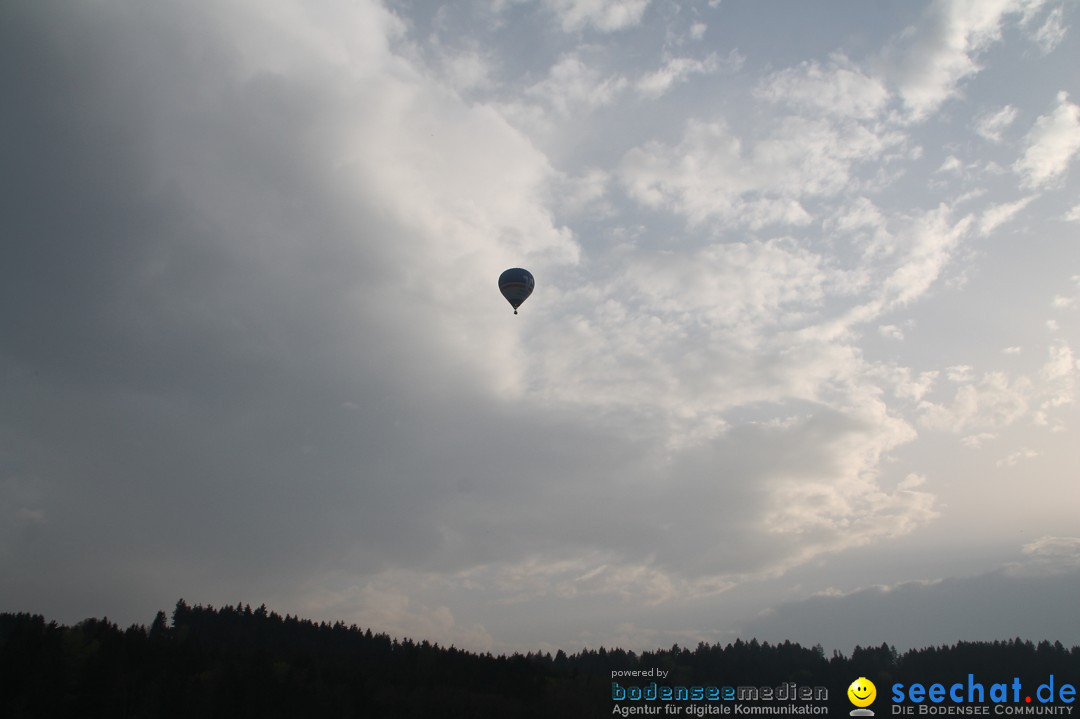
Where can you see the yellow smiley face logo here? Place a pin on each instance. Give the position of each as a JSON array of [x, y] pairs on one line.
[[862, 692]]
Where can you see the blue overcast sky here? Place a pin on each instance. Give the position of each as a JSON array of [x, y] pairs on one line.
[[800, 362]]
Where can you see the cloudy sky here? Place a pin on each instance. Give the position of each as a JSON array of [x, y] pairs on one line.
[[801, 362]]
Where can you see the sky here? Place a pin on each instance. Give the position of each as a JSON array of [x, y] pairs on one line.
[[801, 361]]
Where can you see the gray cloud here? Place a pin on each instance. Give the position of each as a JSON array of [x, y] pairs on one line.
[[912, 615]]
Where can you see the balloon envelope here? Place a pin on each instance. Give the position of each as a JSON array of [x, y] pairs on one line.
[[516, 285]]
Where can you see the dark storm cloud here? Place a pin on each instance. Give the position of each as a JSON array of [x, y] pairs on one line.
[[117, 274], [214, 382], [175, 359]]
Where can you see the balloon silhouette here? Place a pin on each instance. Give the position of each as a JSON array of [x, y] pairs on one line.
[[516, 285]]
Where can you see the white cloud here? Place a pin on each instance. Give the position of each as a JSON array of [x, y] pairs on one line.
[[997, 215], [572, 85], [959, 373], [1016, 457], [699, 177], [293, 40], [1051, 144], [734, 283], [600, 15], [680, 69], [930, 60], [1067, 302], [1058, 377], [996, 401], [992, 125], [891, 331], [992, 403], [915, 388], [1052, 31], [849, 508], [932, 240], [1061, 302], [975, 441], [952, 164], [860, 213], [903, 383], [1073, 215], [584, 194], [901, 268], [911, 482], [711, 174], [838, 88], [468, 69], [1055, 548]]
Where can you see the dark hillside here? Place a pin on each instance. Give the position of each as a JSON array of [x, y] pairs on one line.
[[238, 662]]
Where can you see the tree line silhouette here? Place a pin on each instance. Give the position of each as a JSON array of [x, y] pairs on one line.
[[238, 662]]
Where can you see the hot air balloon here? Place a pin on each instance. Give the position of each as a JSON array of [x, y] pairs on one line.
[[516, 285]]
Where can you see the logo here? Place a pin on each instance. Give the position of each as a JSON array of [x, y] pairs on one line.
[[862, 694]]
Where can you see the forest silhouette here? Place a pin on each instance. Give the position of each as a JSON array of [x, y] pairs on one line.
[[236, 661]]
